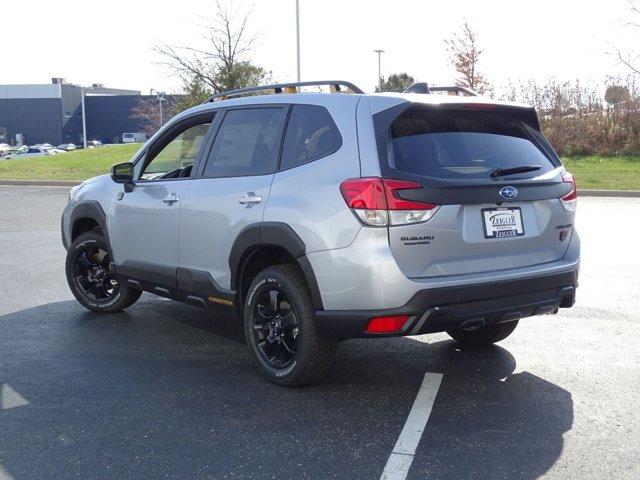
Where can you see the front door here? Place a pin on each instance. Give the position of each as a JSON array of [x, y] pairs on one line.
[[143, 227]]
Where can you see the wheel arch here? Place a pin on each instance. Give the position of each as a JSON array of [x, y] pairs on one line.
[[84, 217], [269, 243]]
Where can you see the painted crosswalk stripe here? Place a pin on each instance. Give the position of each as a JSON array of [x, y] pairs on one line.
[[401, 458]]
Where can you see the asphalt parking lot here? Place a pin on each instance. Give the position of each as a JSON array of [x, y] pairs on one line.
[[165, 391]]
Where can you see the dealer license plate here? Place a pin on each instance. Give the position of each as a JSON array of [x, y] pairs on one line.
[[502, 222]]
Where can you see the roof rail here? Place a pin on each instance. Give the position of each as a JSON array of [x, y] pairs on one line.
[[335, 85], [423, 87]]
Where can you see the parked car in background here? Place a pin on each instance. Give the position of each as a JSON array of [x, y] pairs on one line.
[[5, 148], [67, 147], [94, 143], [135, 137], [34, 151], [15, 150]]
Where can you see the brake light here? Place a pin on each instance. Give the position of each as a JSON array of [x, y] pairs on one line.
[[480, 106], [377, 203], [392, 324], [570, 200]]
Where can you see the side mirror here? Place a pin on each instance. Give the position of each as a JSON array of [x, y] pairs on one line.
[[123, 173]]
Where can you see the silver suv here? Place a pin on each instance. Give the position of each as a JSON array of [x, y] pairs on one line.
[[316, 217]]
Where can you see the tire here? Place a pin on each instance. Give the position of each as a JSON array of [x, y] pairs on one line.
[[286, 354], [487, 335], [89, 252]]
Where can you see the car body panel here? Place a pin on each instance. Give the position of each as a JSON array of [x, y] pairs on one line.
[[142, 227], [207, 234]]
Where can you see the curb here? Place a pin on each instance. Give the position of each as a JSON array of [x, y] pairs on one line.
[[73, 183], [609, 193], [42, 183]]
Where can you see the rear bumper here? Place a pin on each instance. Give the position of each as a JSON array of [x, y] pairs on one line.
[[440, 309]]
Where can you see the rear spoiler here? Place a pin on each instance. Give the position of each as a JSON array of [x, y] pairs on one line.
[[525, 113]]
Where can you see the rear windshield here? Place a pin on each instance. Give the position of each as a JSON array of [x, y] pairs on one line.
[[462, 144]]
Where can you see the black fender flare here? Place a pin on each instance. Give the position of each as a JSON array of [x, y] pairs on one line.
[[277, 234], [90, 209]]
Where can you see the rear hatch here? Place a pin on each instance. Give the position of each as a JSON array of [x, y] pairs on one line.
[[494, 180]]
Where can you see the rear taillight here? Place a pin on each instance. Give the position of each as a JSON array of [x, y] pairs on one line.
[[377, 203], [392, 324], [570, 200]]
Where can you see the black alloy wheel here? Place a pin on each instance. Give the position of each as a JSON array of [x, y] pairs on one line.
[[91, 279], [275, 327], [92, 276]]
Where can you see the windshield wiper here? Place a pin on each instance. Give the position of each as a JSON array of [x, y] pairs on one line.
[[501, 172]]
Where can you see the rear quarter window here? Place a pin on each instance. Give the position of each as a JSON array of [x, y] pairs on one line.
[[462, 144], [311, 134]]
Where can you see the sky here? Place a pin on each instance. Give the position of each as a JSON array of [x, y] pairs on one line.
[[112, 42]]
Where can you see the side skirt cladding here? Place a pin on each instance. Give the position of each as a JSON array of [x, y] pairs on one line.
[[194, 287]]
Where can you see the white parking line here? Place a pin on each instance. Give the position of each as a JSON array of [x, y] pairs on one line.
[[4, 475], [401, 458], [9, 398]]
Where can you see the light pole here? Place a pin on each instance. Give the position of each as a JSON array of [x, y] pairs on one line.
[[84, 122], [379, 52], [160, 97], [298, 37]]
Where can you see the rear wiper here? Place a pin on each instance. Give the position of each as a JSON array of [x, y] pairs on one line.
[[501, 172]]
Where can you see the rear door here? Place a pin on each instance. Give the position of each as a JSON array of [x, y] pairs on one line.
[[497, 183], [231, 189]]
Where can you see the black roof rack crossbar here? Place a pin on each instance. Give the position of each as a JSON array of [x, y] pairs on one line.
[[279, 88], [423, 87]]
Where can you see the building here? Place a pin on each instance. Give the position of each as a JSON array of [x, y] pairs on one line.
[[52, 113]]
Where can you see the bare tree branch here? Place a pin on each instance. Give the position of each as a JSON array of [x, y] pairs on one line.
[[628, 61], [631, 61], [221, 64]]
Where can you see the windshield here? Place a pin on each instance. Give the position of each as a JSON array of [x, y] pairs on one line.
[[462, 144]]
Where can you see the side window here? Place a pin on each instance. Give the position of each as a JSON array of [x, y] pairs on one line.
[[175, 157], [247, 143], [311, 134]]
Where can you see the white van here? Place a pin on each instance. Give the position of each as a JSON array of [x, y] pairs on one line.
[[137, 137]]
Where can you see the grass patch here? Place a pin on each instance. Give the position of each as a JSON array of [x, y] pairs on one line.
[[605, 173], [76, 165], [601, 173]]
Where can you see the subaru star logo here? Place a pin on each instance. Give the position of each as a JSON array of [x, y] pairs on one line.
[[508, 192]]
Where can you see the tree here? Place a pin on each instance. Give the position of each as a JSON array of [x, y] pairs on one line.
[[147, 113], [194, 92], [616, 94], [222, 64], [397, 82], [465, 54]]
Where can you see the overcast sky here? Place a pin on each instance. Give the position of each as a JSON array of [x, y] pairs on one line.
[[111, 42]]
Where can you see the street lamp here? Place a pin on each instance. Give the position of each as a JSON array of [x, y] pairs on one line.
[[84, 120], [160, 97], [379, 52]]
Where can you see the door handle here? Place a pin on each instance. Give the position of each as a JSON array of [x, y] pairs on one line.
[[171, 199], [249, 199]]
